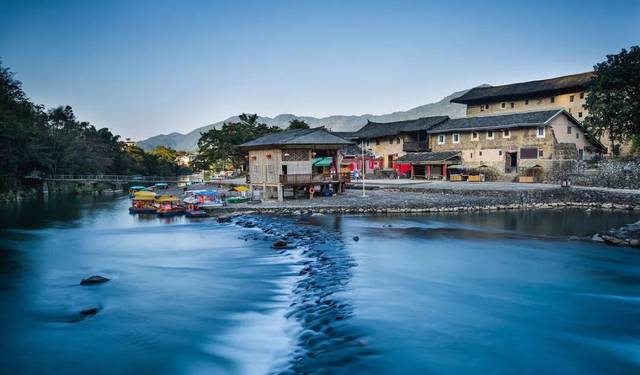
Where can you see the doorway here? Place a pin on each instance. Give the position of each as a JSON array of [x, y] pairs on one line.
[[389, 161], [511, 162]]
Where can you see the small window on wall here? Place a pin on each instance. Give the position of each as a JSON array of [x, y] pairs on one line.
[[390, 141], [552, 99], [398, 140], [440, 139], [571, 98], [526, 102], [581, 95], [503, 105], [579, 114], [486, 106], [540, 153], [568, 129], [506, 133], [528, 153], [480, 153], [455, 138], [489, 134], [377, 142], [540, 133], [577, 135], [499, 152], [474, 136], [481, 108], [513, 104]]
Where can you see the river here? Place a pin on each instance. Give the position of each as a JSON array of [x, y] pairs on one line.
[[500, 292]]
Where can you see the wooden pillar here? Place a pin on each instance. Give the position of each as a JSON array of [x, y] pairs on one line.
[[412, 175], [280, 189], [428, 171], [444, 171]]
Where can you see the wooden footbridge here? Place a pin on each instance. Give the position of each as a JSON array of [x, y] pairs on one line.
[[118, 179]]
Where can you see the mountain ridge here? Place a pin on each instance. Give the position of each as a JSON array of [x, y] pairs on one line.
[[189, 141]]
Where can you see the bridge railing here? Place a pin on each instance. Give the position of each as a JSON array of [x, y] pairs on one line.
[[117, 178]]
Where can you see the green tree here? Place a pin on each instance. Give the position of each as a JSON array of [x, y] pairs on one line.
[[297, 124], [614, 99], [217, 148]]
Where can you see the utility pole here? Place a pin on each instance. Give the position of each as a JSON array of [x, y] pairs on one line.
[[364, 170]]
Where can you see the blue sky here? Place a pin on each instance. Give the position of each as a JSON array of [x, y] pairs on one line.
[[148, 67]]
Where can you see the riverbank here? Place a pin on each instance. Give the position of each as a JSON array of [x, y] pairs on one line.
[[405, 201]]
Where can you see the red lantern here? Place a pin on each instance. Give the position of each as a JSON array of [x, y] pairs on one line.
[[253, 157], [268, 156]]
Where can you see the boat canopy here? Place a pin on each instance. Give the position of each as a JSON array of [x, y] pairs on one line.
[[167, 198], [241, 188], [322, 162], [138, 187], [207, 192], [161, 184], [144, 196]]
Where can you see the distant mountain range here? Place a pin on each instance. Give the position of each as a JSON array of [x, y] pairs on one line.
[[189, 141]]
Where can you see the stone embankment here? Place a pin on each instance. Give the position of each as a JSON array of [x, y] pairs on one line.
[[396, 201]]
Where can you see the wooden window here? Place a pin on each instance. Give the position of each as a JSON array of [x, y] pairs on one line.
[[480, 153], [486, 106], [499, 152], [390, 141], [377, 142], [579, 114], [489, 134], [568, 129], [295, 155], [528, 153], [481, 108], [441, 139], [474, 136], [552, 99], [513, 104], [526, 102], [503, 105], [577, 135], [540, 153], [571, 98], [455, 138], [506, 133], [540, 133], [398, 140], [581, 95]]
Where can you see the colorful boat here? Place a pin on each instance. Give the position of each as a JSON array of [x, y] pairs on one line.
[[143, 202], [237, 200], [203, 198], [169, 205]]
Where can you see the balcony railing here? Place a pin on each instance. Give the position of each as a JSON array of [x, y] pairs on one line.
[[307, 179], [415, 147]]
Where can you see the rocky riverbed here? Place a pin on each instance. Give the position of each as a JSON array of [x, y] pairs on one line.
[[627, 235]]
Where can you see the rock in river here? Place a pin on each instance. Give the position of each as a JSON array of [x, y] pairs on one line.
[[356, 238], [96, 279], [279, 244]]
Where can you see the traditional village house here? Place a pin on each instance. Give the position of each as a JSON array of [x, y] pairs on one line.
[[296, 159], [566, 92], [512, 141], [389, 141]]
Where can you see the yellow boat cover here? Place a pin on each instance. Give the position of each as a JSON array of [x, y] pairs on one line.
[[241, 188], [167, 198], [144, 196]]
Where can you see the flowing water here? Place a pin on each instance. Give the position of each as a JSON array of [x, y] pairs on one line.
[[502, 292]]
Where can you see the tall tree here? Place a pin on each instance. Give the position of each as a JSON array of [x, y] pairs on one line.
[[217, 148], [614, 99], [297, 124]]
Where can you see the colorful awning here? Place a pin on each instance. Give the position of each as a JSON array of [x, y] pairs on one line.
[[322, 162]]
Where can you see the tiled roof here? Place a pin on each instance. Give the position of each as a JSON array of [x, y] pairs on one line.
[[385, 129], [512, 120], [314, 136], [522, 90], [423, 157]]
